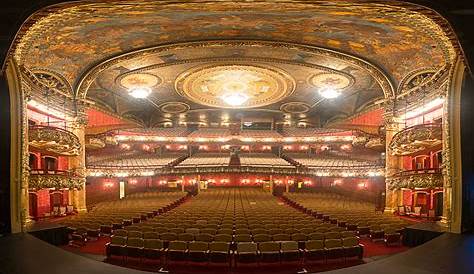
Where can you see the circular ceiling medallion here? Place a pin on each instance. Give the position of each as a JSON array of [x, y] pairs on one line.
[[138, 80], [174, 107], [239, 85], [295, 107], [331, 80]]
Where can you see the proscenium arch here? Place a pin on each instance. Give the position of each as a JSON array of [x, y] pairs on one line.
[[384, 81]]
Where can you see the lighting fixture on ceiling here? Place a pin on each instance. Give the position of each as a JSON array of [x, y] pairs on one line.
[[235, 99], [140, 92], [329, 93]]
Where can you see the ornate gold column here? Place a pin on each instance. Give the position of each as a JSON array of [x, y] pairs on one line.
[[452, 173], [392, 163], [78, 165], [19, 168]]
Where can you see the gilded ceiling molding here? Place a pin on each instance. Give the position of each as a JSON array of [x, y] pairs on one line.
[[429, 19], [421, 80], [378, 74]]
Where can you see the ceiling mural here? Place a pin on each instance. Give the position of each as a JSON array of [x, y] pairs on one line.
[[219, 76], [77, 36]]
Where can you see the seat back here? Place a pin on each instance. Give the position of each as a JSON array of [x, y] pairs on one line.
[[246, 247], [135, 234], [151, 235], [350, 242], [261, 238], [243, 238], [135, 242], [187, 237], [120, 232], [332, 235], [298, 237], [289, 246], [269, 246], [177, 245], [316, 236], [118, 240], [198, 246], [281, 237], [332, 243], [153, 244], [314, 244], [223, 238], [204, 238], [169, 236], [219, 246]]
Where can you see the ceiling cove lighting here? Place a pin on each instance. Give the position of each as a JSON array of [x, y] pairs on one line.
[[235, 99], [329, 93], [140, 92]]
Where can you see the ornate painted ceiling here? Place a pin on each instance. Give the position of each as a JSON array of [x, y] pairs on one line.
[[183, 51]]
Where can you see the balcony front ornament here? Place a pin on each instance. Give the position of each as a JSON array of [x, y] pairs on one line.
[[415, 181], [54, 140], [415, 139], [94, 143], [376, 143], [58, 181]]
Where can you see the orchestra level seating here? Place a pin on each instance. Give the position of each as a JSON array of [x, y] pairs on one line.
[[237, 226]]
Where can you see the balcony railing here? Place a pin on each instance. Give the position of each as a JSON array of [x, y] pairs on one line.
[[416, 138], [267, 169], [420, 178], [59, 179]]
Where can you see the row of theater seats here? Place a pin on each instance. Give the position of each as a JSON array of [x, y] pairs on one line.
[[141, 161], [210, 133], [106, 217], [351, 214], [262, 159], [246, 224], [306, 132], [260, 134], [162, 132], [206, 159], [311, 161]]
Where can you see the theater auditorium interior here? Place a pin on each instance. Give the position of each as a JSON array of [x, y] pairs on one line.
[[218, 136]]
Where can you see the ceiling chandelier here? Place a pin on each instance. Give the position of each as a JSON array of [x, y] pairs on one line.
[[235, 99], [329, 93], [140, 92]]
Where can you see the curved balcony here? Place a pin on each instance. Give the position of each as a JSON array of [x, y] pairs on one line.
[[360, 172], [416, 138], [423, 178], [58, 179], [54, 140]]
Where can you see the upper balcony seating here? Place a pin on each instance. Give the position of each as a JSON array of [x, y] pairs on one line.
[[262, 159], [260, 134], [308, 132], [210, 133], [312, 161], [144, 160], [163, 132], [206, 159]]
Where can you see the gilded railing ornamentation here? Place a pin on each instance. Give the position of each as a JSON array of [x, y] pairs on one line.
[[58, 179], [427, 178], [416, 138], [54, 140]]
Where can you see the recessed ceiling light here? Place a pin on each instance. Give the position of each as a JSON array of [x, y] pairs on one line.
[[140, 92], [235, 99], [329, 93]]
